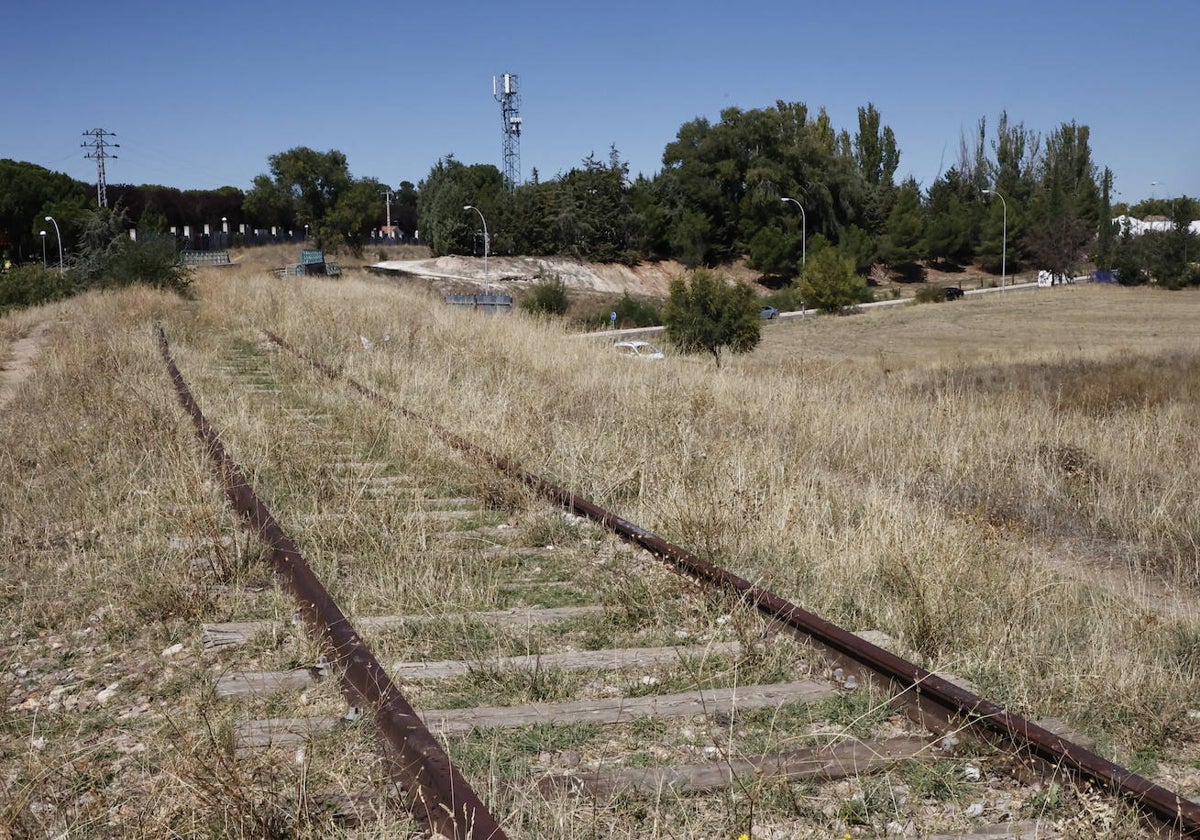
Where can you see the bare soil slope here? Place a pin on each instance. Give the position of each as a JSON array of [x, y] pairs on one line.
[[641, 279]]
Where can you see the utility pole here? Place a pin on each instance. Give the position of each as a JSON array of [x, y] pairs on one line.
[[99, 150], [387, 194]]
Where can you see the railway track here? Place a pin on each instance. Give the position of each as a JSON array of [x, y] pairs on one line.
[[718, 651]]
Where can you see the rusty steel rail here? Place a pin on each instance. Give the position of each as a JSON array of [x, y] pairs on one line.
[[1178, 815], [435, 792]]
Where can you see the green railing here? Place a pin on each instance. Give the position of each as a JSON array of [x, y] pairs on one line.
[[190, 259]]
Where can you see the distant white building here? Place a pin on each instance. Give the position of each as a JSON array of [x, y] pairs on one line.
[[1138, 226]]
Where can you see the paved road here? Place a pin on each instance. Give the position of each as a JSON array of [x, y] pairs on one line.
[[647, 332]]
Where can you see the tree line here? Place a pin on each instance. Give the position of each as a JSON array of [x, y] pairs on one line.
[[1013, 197], [721, 195], [304, 188]]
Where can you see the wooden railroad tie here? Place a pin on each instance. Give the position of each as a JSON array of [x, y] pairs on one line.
[[256, 735], [239, 684], [231, 634]]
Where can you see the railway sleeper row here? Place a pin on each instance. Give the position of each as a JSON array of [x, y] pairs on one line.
[[939, 703], [837, 757]]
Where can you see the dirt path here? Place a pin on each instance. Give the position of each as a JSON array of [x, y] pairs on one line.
[[1141, 589], [17, 363]]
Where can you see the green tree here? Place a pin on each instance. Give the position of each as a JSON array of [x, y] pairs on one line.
[[151, 221], [304, 188], [404, 207], [650, 223], [861, 247], [270, 204], [449, 187], [358, 210], [904, 241], [1106, 236], [29, 193], [1169, 256], [592, 216], [1064, 212], [528, 218], [1127, 261], [1016, 152], [771, 253], [876, 158], [875, 149], [999, 247], [830, 283], [705, 314]]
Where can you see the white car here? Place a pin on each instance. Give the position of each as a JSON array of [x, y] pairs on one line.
[[638, 349]]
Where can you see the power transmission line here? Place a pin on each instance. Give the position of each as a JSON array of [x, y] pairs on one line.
[[99, 147]]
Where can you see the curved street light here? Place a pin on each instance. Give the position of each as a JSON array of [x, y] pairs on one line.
[[487, 287], [58, 234], [803, 232], [1004, 237]]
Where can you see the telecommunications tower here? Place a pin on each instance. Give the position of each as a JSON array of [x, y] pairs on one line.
[[99, 150], [504, 89]]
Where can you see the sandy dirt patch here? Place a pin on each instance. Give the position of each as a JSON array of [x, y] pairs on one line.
[[16, 362], [641, 279]]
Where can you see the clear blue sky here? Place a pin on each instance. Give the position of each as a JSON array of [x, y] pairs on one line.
[[200, 94]]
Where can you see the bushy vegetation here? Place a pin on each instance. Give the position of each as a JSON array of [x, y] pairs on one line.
[[548, 297], [930, 294], [830, 283], [1166, 257], [31, 284], [632, 311], [788, 299], [705, 314], [105, 256]]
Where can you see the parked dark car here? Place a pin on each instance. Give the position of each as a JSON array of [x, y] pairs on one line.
[[953, 292]]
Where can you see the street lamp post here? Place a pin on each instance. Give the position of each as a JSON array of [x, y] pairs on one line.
[[803, 232], [43, 248], [487, 287], [1003, 237], [58, 235]]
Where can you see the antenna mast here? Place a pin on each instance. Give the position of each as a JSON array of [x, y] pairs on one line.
[[504, 90], [99, 147]]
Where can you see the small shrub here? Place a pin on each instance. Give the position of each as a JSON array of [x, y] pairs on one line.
[[151, 261], [631, 312], [930, 294], [787, 299], [830, 283], [549, 297]]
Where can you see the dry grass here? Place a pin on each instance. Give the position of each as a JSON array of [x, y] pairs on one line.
[[1007, 486]]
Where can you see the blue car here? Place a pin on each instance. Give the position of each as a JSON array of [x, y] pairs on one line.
[[768, 312]]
